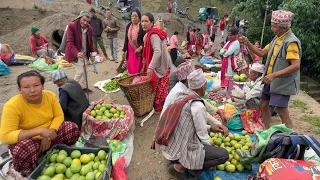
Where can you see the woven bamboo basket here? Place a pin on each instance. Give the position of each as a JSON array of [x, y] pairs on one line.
[[140, 95]]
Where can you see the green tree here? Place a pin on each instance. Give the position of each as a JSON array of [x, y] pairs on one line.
[[306, 26]]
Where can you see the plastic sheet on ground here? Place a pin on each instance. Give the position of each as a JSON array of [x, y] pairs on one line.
[[209, 175], [100, 84]]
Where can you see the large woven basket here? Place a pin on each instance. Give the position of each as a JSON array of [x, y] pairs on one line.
[[140, 95]]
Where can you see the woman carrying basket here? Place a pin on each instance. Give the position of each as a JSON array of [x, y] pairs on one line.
[[133, 43], [156, 60]]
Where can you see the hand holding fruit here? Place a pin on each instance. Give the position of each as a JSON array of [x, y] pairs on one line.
[[219, 128]]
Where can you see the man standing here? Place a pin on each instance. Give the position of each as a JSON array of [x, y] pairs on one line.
[[282, 74], [208, 23], [111, 27], [79, 47], [222, 26], [97, 29], [175, 6]]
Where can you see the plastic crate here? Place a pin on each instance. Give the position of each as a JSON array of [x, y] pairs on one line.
[[84, 150]]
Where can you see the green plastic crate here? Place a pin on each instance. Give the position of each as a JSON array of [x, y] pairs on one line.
[[84, 150]]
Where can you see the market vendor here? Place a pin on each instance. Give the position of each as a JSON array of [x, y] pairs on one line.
[[39, 44], [193, 151], [72, 99], [32, 122], [206, 55], [181, 72], [173, 80], [252, 90]]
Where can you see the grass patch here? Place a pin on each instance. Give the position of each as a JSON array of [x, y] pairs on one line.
[[313, 120], [317, 132], [299, 104]]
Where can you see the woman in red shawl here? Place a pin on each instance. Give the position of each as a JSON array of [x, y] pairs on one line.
[[156, 60], [199, 41]]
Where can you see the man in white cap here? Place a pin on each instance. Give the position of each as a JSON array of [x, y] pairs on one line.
[[181, 72], [252, 90], [193, 151], [282, 74], [79, 46], [72, 99]]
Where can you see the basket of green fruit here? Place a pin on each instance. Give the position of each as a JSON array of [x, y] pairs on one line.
[[139, 95], [111, 121]]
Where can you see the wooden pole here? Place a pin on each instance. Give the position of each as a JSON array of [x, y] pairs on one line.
[[264, 23]]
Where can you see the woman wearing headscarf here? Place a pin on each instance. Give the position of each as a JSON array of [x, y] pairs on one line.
[[133, 43], [156, 60], [39, 44], [72, 99], [228, 68]]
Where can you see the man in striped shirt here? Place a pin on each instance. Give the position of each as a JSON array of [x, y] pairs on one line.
[[189, 145]]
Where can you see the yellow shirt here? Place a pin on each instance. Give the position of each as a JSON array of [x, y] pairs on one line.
[[18, 115], [292, 51]]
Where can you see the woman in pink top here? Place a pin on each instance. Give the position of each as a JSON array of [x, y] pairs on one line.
[[174, 47]]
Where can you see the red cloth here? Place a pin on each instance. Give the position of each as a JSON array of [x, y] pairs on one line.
[[224, 66], [5, 57], [74, 39], [161, 86], [148, 50], [33, 44], [169, 120], [208, 22], [221, 25], [25, 153]]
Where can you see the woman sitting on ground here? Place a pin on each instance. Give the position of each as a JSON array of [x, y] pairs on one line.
[[39, 44], [206, 56], [32, 122], [72, 99]]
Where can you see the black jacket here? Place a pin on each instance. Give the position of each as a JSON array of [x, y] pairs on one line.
[[97, 26], [140, 37]]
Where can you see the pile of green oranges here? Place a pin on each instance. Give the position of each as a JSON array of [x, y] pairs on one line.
[[234, 144], [76, 166]]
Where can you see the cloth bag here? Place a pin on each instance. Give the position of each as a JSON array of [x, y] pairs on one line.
[[251, 120], [117, 128], [277, 169]]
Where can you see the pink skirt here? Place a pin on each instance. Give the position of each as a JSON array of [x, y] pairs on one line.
[[133, 61]]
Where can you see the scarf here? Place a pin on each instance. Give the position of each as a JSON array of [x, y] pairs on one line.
[[148, 50], [169, 120], [133, 34], [224, 66], [37, 40]]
